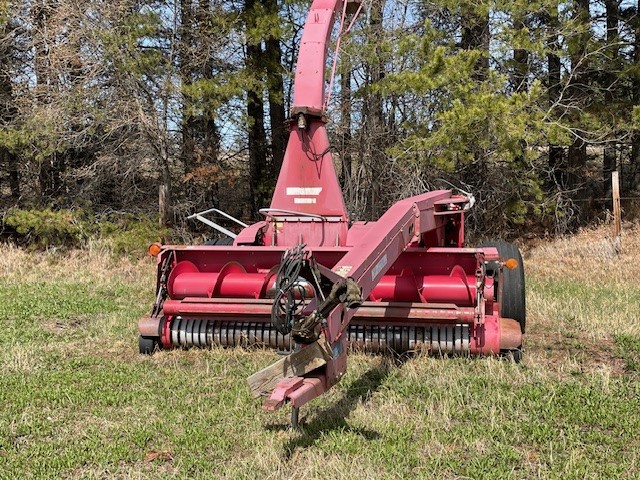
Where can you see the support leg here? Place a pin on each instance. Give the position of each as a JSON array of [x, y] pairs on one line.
[[294, 418]]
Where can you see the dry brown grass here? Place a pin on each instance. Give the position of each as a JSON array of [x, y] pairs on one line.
[[95, 264], [588, 257], [582, 295]]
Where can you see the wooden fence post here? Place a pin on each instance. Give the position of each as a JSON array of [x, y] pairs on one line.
[[617, 222], [162, 204]]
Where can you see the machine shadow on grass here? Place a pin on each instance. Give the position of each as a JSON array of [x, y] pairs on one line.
[[334, 417]]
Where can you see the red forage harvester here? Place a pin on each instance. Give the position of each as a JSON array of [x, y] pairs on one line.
[[308, 281]]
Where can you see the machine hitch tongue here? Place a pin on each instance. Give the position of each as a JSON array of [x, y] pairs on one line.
[[305, 329], [347, 292]]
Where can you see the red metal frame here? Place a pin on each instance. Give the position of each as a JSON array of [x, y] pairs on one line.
[[411, 264]]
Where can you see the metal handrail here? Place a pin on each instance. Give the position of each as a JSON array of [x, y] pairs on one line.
[[206, 221], [267, 213]]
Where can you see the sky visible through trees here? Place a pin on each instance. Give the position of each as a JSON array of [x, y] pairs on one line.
[[530, 105]]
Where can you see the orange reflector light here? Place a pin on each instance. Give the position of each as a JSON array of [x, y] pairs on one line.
[[155, 249], [511, 263]]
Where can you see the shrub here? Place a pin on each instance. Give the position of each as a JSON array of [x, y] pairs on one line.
[[122, 233], [46, 228], [128, 234]]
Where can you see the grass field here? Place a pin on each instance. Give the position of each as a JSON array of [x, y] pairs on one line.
[[77, 401]]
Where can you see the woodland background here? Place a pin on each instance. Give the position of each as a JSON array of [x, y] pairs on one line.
[[529, 105]]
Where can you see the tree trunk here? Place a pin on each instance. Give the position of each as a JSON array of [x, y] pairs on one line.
[[185, 49], [200, 138], [257, 138], [8, 112], [577, 153], [49, 177], [378, 141], [520, 75], [557, 161], [50, 167], [635, 97], [275, 88], [9, 162], [475, 36], [610, 149], [520, 79], [345, 120], [277, 114], [209, 135], [14, 176]]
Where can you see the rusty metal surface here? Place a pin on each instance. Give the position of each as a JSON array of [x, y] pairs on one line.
[[510, 334], [149, 326]]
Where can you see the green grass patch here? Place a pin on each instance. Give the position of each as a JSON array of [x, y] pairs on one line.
[[577, 309], [629, 349], [38, 311]]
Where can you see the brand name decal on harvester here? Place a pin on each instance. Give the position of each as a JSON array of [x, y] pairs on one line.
[[310, 191], [379, 266], [315, 191]]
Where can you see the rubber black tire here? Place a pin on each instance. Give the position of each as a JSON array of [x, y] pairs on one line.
[[516, 354], [148, 345], [513, 301], [219, 242]]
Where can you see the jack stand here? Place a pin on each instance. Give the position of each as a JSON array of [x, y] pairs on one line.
[[294, 418]]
